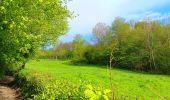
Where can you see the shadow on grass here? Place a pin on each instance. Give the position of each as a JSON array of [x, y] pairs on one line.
[[105, 66]]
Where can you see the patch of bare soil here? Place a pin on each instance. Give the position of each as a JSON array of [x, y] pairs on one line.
[[7, 92]]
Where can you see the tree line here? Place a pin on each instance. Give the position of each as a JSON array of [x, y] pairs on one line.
[[142, 45]]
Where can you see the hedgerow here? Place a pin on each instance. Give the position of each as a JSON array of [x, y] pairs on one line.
[[37, 86]]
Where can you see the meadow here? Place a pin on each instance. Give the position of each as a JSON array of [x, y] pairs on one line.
[[126, 83]]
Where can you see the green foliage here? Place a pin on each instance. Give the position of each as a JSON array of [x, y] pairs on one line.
[[78, 47], [127, 84], [1, 74], [35, 86], [72, 50], [64, 51], [25, 25], [96, 94], [46, 54], [38, 86], [144, 46], [59, 91], [96, 55]]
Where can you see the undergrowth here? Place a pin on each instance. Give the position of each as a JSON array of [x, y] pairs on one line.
[[43, 87]]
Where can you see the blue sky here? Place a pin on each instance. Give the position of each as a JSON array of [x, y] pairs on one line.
[[93, 11]]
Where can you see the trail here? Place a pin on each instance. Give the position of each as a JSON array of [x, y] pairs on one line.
[[7, 92]]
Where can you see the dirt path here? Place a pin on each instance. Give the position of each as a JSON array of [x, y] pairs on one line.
[[6, 92]]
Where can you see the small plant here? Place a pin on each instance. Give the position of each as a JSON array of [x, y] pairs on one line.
[[92, 93]]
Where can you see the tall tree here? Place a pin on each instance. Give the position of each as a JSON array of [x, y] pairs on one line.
[[99, 31], [27, 24], [78, 46]]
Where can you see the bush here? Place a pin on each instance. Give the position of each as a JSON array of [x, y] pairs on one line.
[[43, 87], [81, 61], [96, 55], [92, 93]]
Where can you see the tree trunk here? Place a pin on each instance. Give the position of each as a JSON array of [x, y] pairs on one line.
[[110, 74]]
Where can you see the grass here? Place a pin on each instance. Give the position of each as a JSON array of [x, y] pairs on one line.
[[128, 84]]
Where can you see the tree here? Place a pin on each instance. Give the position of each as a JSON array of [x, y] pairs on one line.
[[27, 24], [99, 32], [64, 50], [78, 46], [143, 45]]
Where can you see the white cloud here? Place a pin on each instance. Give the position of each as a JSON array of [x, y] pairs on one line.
[[94, 11]]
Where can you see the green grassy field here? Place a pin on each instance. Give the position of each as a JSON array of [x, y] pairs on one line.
[[126, 83]]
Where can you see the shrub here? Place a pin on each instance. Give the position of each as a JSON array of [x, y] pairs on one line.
[[43, 87], [92, 93]]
